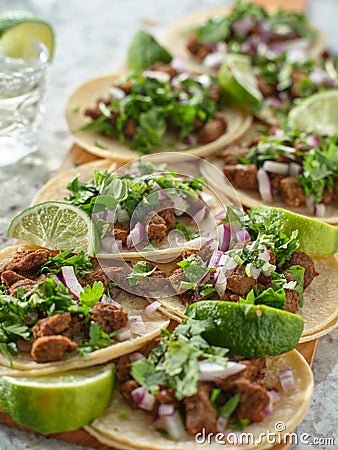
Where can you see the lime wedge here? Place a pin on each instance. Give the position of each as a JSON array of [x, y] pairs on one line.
[[144, 51], [238, 82], [55, 225], [316, 238], [18, 29], [317, 113], [249, 330], [59, 402]]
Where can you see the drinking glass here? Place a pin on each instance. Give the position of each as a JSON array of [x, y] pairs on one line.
[[22, 86]]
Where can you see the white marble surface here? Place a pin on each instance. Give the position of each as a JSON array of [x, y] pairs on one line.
[[92, 37]]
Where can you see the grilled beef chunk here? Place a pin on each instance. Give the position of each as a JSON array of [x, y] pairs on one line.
[[130, 128], [108, 316], [253, 400], [302, 259], [126, 390], [168, 215], [121, 231], [242, 176], [292, 192], [9, 277], [166, 396], [212, 130], [156, 227], [155, 282], [266, 89], [58, 324], [177, 275], [231, 154], [26, 284], [239, 283], [51, 348], [166, 68], [200, 414], [27, 261], [122, 369]]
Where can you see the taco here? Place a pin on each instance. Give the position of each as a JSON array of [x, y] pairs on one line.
[[122, 117], [283, 167], [141, 207], [58, 313], [204, 38], [186, 391], [256, 261]]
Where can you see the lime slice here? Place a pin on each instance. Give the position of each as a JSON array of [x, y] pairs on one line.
[[144, 51], [317, 113], [249, 330], [316, 238], [238, 82], [17, 29], [55, 225], [60, 402]]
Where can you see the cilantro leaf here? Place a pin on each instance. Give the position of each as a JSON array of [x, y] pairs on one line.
[[92, 294], [80, 261], [229, 407], [97, 339], [141, 269]]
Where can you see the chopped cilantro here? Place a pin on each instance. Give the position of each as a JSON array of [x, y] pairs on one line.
[[194, 268], [188, 233], [80, 261], [229, 407], [97, 339], [141, 269], [92, 294]]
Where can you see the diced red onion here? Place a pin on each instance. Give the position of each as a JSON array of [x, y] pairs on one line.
[[200, 214], [106, 299], [255, 272], [136, 235], [162, 77], [151, 308], [286, 379], [180, 205], [204, 79], [268, 410], [221, 215], [191, 139], [117, 93], [176, 81], [242, 27], [122, 215], [294, 169], [221, 423], [309, 201], [275, 395], [318, 76], [274, 101], [111, 245], [109, 215], [137, 325], [264, 185], [56, 279], [199, 242], [313, 141], [220, 281], [178, 63], [227, 262], [320, 210], [172, 425], [265, 255], [214, 60], [242, 236], [276, 167], [211, 371], [71, 281], [123, 334], [166, 409], [224, 236], [143, 398], [215, 258], [135, 356]]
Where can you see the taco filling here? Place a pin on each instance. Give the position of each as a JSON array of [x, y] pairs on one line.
[[187, 385], [296, 167], [158, 107], [250, 29], [54, 303], [140, 208], [255, 263]]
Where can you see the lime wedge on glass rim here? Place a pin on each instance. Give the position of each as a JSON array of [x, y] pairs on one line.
[[57, 226], [19, 29], [317, 113], [249, 330], [59, 402], [238, 82]]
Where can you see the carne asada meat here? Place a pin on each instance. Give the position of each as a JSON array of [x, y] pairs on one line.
[[28, 261], [109, 317], [242, 176], [58, 324], [301, 258], [51, 348], [199, 411], [239, 283], [292, 192]]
